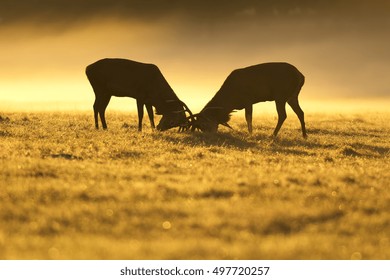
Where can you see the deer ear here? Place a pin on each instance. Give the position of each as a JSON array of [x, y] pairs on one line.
[[227, 125]]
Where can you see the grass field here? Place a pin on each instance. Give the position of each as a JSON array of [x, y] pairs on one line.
[[68, 191]]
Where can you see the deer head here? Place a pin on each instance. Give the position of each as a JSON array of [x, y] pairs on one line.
[[176, 118]]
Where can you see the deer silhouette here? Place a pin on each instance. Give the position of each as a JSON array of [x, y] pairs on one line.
[[275, 81], [144, 82]]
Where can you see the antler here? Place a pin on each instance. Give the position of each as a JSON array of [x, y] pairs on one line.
[[227, 125], [186, 108], [191, 117], [193, 123]]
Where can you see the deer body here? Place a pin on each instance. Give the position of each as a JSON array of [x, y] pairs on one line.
[[279, 82], [144, 82]]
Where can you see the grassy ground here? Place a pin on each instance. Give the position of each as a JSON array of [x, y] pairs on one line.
[[68, 191]]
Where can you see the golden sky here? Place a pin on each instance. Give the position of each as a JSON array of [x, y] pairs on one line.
[[342, 47]]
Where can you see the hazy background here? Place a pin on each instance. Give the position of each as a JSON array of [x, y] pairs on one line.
[[342, 47]]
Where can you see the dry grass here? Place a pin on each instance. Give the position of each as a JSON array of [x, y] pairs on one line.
[[68, 191]]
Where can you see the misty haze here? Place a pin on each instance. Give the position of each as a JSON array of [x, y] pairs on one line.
[[341, 47], [243, 186]]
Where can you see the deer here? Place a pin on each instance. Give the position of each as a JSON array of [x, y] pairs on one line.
[[142, 81], [274, 81]]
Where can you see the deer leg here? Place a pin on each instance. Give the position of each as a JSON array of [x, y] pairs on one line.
[[294, 104], [102, 110], [140, 108], [149, 109], [248, 117], [281, 109], [96, 112]]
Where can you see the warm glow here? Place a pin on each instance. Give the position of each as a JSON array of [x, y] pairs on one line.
[[81, 183], [42, 63]]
